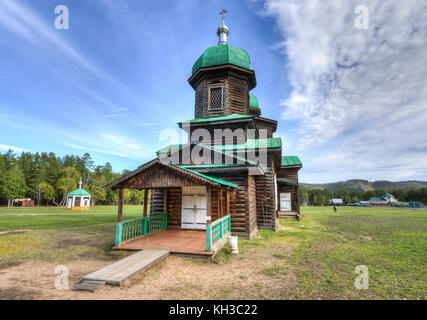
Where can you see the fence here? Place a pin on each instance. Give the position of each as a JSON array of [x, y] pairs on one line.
[[217, 231], [138, 228]]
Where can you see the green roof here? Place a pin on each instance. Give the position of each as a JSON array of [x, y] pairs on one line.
[[253, 144], [223, 54], [250, 144], [202, 166], [221, 118], [79, 192], [214, 179], [376, 199], [170, 148], [291, 161], [253, 101]]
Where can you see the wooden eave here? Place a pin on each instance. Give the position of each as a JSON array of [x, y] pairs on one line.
[[291, 167], [270, 121], [194, 79], [215, 123]]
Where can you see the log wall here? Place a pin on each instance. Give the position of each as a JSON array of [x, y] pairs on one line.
[[292, 174], [265, 198], [235, 95]]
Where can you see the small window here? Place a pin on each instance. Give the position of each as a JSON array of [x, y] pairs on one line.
[[215, 98]]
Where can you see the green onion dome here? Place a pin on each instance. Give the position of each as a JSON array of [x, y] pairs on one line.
[[253, 101], [223, 54]]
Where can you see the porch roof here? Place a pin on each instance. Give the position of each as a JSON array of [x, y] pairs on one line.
[[204, 179], [215, 179]]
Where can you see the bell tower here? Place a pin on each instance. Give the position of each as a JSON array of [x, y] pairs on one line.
[[222, 78]]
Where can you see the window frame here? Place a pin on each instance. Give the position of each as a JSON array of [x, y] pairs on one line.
[[210, 95]]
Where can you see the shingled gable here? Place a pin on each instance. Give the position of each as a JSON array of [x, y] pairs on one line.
[[193, 177]]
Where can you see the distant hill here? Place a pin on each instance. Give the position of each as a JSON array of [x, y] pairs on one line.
[[365, 185]]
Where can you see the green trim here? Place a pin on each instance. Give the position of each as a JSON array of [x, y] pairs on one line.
[[79, 192], [250, 144], [253, 101], [216, 165], [253, 144], [214, 179], [221, 118], [290, 161], [222, 54]]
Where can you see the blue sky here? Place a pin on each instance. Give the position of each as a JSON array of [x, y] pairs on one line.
[[115, 83]]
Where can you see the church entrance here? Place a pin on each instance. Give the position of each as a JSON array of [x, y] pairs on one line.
[[194, 208]]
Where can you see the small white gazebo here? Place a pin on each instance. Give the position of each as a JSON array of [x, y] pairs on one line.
[[78, 199]]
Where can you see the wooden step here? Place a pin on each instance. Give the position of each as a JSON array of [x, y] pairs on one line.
[[289, 215], [118, 272]]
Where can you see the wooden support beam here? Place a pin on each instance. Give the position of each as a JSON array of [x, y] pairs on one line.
[[209, 204], [145, 202], [120, 208], [228, 201], [221, 211], [165, 201]]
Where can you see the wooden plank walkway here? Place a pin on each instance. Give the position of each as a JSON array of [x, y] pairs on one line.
[[118, 272]]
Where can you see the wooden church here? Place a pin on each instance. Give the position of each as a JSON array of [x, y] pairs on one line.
[[231, 177]]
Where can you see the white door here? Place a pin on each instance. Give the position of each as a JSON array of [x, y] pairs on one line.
[[193, 211], [69, 202], [285, 202]]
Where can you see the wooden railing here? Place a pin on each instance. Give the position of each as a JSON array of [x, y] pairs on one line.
[[138, 228], [216, 232]]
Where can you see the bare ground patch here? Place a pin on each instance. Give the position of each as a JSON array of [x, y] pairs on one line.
[[239, 277]]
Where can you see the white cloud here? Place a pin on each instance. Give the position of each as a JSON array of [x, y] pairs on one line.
[[13, 148], [359, 96]]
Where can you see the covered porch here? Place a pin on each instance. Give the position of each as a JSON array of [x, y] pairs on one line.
[[189, 211]]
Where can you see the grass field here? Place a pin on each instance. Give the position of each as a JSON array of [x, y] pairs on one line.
[[314, 258], [63, 210]]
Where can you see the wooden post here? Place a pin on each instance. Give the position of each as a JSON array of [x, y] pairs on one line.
[[120, 209], [221, 211], [208, 204], [228, 201], [145, 202], [165, 201]]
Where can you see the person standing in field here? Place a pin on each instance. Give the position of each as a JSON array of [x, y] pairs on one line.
[[335, 209]]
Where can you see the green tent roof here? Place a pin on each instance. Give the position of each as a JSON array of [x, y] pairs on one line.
[[221, 118], [214, 179], [79, 192], [223, 54], [291, 161], [253, 101]]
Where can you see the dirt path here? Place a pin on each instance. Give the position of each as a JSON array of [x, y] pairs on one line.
[[175, 278]]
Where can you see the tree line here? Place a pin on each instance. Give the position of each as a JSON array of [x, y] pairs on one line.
[[48, 178], [323, 196]]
